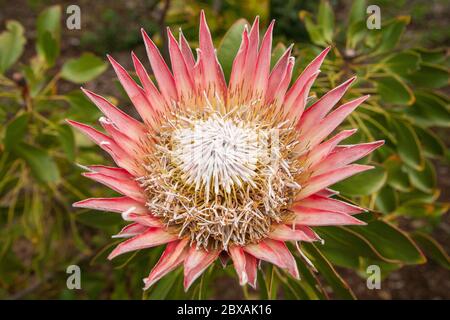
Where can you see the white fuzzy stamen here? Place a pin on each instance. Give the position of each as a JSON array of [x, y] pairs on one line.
[[217, 153]]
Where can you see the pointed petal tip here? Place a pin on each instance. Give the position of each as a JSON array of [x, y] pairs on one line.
[[295, 274], [362, 223], [112, 255], [186, 285], [202, 17], [87, 92], [113, 62], [146, 37], [347, 83], [243, 279], [170, 35], [78, 204], [148, 283], [376, 144], [325, 52], [89, 174]]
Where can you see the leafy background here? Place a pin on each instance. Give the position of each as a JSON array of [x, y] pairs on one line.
[[404, 66]]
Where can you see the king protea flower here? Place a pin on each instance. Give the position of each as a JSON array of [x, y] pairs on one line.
[[218, 169]]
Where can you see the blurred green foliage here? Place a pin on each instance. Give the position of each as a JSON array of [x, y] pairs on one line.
[[41, 234]]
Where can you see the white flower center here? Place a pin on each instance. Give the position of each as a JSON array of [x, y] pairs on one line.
[[217, 153], [222, 179]]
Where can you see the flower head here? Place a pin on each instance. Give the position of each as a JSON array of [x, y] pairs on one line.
[[235, 168]]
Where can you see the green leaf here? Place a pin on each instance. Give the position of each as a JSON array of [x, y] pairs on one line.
[[83, 69], [12, 42], [386, 268], [390, 242], [2, 114], [391, 33], [98, 219], [308, 281], [430, 76], [315, 32], [229, 46], [425, 179], [363, 184], [81, 109], [326, 269], [293, 290], [341, 257], [432, 145], [67, 141], [49, 34], [34, 78], [15, 131], [325, 19], [386, 200], [402, 63], [408, 145], [436, 55], [50, 20], [429, 110], [418, 209], [345, 245], [357, 11], [392, 89], [417, 196], [42, 165], [355, 33], [163, 287], [372, 38], [263, 292], [49, 48], [432, 249]]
